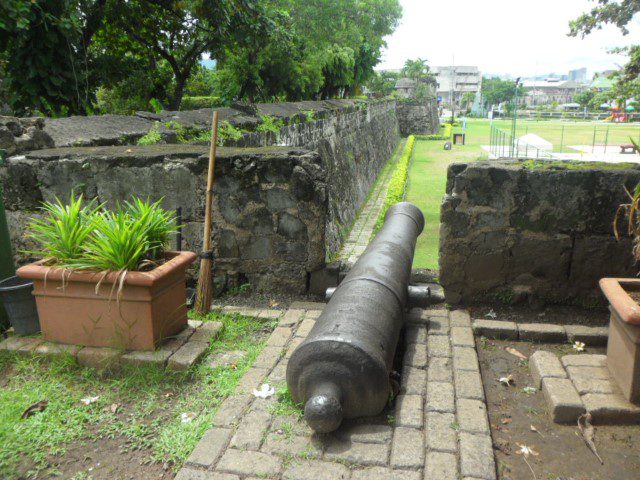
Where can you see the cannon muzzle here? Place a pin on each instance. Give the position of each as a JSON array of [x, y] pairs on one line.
[[342, 368]]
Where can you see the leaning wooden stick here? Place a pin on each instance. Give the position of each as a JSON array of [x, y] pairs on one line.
[[205, 278]]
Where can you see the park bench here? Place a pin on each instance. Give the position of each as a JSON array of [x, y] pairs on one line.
[[628, 146]]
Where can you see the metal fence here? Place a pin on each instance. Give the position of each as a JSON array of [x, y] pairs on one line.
[[503, 145]]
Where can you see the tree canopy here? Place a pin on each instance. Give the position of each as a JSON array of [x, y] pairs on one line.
[[73, 56], [496, 91]]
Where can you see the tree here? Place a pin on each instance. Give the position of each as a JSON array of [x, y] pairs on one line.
[[496, 91], [607, 12], [584, 98], [382, 83], [416, 69]]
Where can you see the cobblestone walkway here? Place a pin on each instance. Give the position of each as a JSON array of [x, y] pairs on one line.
[[436, 429], [362, 229]]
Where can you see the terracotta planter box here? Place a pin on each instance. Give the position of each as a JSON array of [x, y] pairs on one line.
[[623, 347], [150, 308]]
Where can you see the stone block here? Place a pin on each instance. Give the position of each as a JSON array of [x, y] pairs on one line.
[[611, 409], [316, 470], [440, 432], [584, 360], [590, 336], [368, 454], [291, 317], [468, 385], [249, 463], [251, 431], [231, 409], [293, 344], [279, 337], [414, 381], [415, 334], [269, 314], [563, 400], [195, 323], [440, 397], [292, 445], [408, 411], [268, 357], [439, 326], [253, 378], [496, 329], [207, 332], [210, 447], [407, 448], [187, 355], [415, 355], [50, 349], [541, 332], [139, 357], [593, 385], [439, 369], [187, 473], [305, 327], [380, 473], [308, 305], [460, 318], [601, 373], [438, 346], [545, 364], [472, 416], [366, 433], [465, 358], [462, 337], [476, 456], [19, 344], [99, 358], [441, 466], [435, 312]]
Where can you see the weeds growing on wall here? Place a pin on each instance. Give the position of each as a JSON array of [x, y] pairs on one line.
[[395, 192], [152, 137], [270, 124]]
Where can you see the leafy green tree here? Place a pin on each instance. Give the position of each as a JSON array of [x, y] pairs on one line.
[[416, 69], [382, 83], [584, 98], [496, 91]]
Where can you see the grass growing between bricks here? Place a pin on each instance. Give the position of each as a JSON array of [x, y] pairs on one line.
[[141, 407]]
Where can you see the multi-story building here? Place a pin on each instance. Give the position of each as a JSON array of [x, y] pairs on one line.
[[579, 75], [545, 92], [455, 81]]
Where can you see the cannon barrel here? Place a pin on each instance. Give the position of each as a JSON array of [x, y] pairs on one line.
[[342, 368]]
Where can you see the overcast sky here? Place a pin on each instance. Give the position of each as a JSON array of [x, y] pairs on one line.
[[517, 37]]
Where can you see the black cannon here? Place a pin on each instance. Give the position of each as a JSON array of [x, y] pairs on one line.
[[342, 368]]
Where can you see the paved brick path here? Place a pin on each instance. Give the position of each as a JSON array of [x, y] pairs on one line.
[[437, 428], [362, 229]]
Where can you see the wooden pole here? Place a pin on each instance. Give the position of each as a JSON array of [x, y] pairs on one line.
[[205, 279]]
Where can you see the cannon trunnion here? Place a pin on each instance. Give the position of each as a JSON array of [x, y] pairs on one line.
[[342, 368]]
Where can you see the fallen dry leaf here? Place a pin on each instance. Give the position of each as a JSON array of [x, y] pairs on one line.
[[588, 433], [507, 381], [534, 429], [503, 446], [516, 353], [506, 420], [128, 150], [114, 407], [35, 408]]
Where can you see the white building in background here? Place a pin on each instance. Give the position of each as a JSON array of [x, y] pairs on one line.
[[545, 92], [456, 80]]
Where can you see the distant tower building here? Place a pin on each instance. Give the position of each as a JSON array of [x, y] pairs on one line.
[[579, 75]]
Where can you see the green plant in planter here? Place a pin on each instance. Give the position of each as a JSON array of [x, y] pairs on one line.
[[92, 238]]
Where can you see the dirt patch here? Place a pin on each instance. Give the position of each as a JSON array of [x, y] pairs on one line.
[[277, 301], [563, 315], [562, 453]]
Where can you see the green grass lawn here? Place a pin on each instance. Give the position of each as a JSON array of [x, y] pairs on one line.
[[428, 169], [150, 402]]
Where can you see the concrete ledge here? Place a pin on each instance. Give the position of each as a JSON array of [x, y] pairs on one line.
[[564, 402]]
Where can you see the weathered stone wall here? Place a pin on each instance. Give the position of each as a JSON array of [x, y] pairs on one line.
[[516, 231], [418, 118], [279, 210], [23, 134], [354, 138], [269, 203]]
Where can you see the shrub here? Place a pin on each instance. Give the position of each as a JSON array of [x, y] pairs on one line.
[[152, 137], [444, 134], [91, 238], [270, 124], [195, 103], [395, 192]]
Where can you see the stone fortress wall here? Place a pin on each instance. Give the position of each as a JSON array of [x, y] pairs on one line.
[[523, 231], [282, 201]]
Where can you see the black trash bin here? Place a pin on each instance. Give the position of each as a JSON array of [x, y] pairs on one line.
[[20, 305]]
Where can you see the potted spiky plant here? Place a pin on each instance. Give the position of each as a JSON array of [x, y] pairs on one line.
[[105, 277], [623, 294]]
